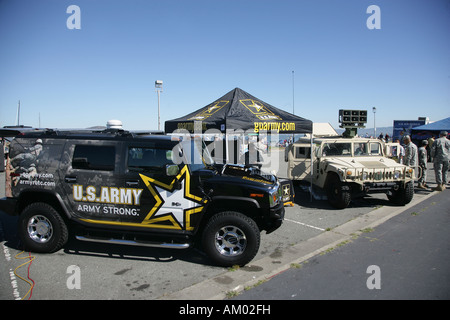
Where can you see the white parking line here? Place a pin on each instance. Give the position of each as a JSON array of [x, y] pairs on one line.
[[304, 224]]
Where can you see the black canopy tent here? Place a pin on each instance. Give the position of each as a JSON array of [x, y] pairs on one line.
[[239, 110], [239, 114]]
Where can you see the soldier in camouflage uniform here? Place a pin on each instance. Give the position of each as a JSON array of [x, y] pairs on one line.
[[440, 152], [423, 158], [410, 152]]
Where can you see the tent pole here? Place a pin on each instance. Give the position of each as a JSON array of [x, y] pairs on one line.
[[226, 148]]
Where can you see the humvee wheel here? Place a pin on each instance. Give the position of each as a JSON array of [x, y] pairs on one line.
[[403, 195], [41, 228], [231, 238], [337, 197]]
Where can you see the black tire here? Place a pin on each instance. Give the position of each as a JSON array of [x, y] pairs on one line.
[[337, 197], [42, 229], [231, 238], [403, 195]]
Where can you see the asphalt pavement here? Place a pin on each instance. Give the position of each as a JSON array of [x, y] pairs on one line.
[[407, 257]]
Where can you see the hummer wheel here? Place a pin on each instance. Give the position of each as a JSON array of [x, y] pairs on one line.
[[337, 197], [231, 238], [41, 228], [403, 195]]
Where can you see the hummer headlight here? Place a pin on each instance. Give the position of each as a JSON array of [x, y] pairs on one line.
[[396, 174], [275, 196]]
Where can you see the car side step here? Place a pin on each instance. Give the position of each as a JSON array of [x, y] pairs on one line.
[[140, 243]]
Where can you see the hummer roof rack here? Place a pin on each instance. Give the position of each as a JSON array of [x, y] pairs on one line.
[[112, 129]]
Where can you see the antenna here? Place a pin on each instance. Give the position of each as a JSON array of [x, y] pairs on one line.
[[293, 110], [18, 114]]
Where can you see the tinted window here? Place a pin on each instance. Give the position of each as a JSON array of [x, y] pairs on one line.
[[149, 159], [91, 157]]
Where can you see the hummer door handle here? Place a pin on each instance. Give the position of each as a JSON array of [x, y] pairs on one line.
[[70, 179], [132, 183]]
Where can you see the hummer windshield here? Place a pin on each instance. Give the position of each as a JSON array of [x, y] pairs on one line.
[[364, 149], [337, 149], [349, 149]]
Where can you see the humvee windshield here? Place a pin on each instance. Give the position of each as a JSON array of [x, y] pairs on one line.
[[365, 149], [337, 149], [344, 149]]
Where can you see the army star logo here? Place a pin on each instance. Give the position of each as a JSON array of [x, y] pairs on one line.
[[259, 110], [286, 191], [170, 217], [209, 110]]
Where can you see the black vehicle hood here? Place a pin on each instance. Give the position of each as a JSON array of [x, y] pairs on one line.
[[236, 174], [252, 174]]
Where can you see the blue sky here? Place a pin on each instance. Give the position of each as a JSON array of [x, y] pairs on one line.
[[203, 49]]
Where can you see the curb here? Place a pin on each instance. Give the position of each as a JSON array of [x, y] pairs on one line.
[[218, 287]]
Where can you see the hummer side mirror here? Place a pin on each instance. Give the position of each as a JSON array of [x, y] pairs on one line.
[[172, 170]]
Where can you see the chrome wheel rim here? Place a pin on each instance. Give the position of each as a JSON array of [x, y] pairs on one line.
[[230, 241], [40, 229]]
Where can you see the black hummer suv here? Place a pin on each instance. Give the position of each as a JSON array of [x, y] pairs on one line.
[[116, 186]]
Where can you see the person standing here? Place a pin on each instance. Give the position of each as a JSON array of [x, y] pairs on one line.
[[430, 145], [2, 156], [410, 152], [423, 158], [440, 154], [400, 152]]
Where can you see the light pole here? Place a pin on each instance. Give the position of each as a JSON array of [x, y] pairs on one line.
[[374, 124], [159, 89], [293, 109]]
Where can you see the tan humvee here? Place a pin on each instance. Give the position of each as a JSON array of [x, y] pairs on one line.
[[346, 167]]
